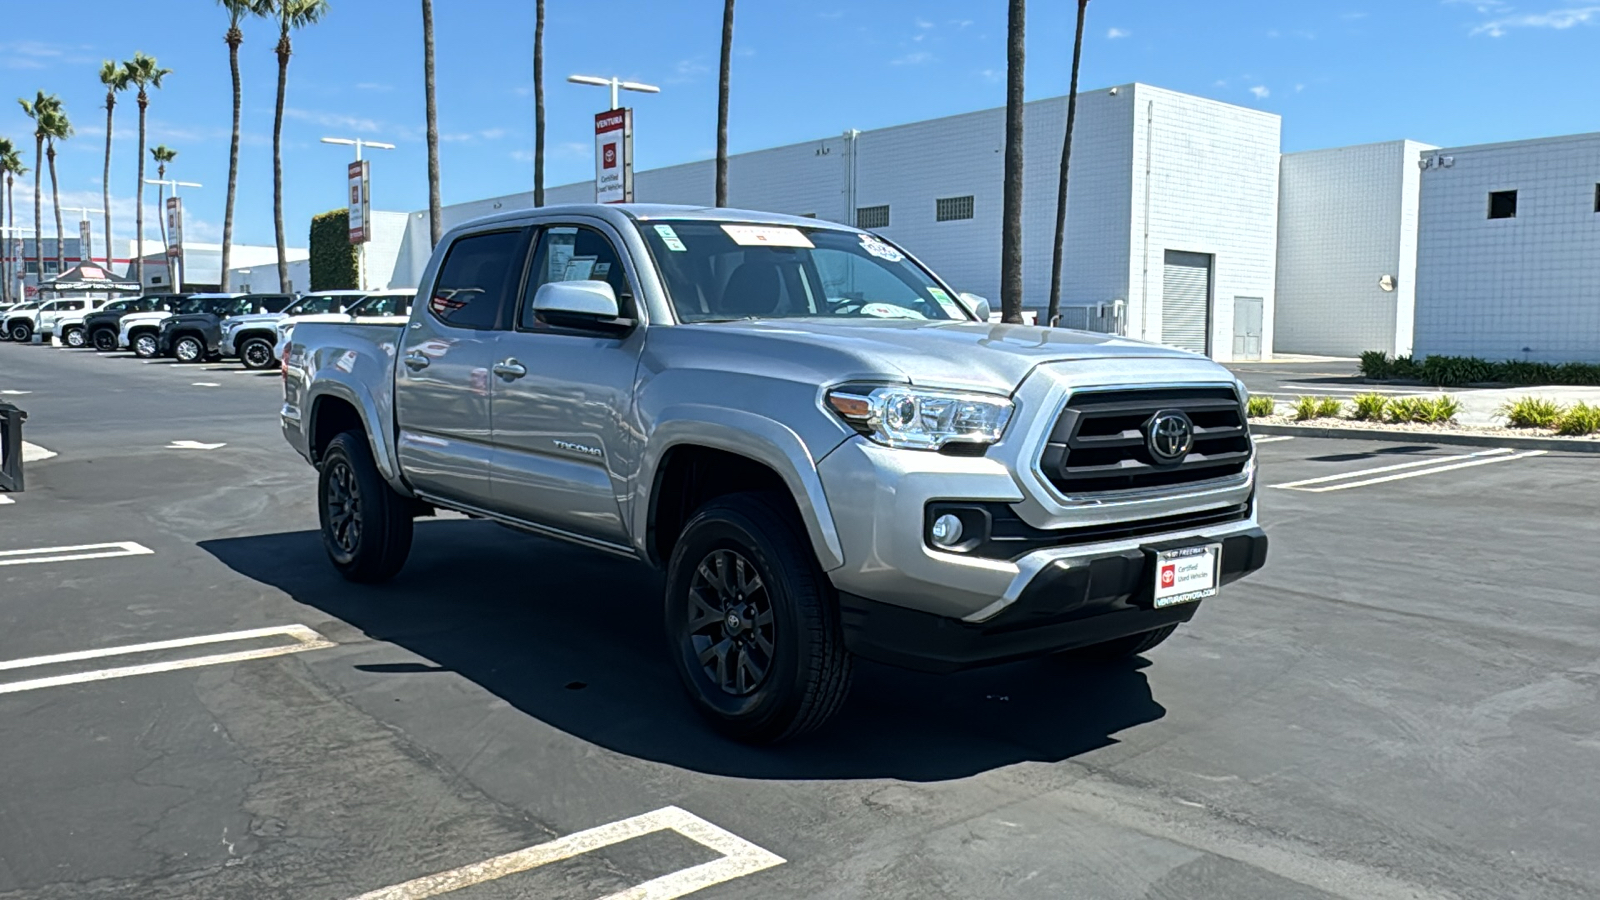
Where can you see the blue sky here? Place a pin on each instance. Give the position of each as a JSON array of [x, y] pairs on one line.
[[1448, 72]]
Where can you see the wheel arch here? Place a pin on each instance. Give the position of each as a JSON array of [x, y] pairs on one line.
[[337, 408]]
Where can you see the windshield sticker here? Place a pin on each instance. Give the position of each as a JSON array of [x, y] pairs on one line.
[[766, 236], [579, 268], [880, 249], [890, 311], [951, 307], [601, 270], [670, 238]]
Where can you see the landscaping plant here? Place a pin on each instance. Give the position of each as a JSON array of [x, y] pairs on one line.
[[1440, 410], [1261, 407], [1329, 408], [1406, 409], [1369, 407], [1580, 420], [1532, 412]]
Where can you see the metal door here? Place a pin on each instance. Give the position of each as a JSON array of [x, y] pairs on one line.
[[1186, 301], [1246, 328]]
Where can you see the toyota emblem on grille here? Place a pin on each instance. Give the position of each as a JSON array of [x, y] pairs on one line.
[[1170, 436]]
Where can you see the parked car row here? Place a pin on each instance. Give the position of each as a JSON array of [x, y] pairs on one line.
[[194, 328]]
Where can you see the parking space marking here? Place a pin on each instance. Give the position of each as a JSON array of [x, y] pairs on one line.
[[72, 553], [304, 639], [739, 858], [206, 384], [4, 500], [193, 445], [1399, 471], [1271, 438], [10, 393], [35, 453]]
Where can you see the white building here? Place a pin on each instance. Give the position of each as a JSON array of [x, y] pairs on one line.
[[1171, 227], [1347, 249], [202, 264], [1508, 259]]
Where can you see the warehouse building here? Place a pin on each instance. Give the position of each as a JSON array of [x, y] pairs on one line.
[[1508, 258], [1172, 218], [1347, 249]]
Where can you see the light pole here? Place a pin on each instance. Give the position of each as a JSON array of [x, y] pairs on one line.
[[615, 84], [177, 282], [361, 248]]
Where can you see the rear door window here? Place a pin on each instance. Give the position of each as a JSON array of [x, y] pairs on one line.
[[479, 274]]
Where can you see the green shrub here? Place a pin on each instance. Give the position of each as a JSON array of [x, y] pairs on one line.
[[1531, 412], [1329, 408], [1406, 409], [1305, 408], [1440, 410], [1581, 419], [1406, 368], [1261, 407], [1375, 364], [1451, 371], [1369, 407], [333, 257]]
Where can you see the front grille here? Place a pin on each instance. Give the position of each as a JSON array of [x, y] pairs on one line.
[[1098, 444]]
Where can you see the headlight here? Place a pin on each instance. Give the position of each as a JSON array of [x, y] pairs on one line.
[[919, 418]]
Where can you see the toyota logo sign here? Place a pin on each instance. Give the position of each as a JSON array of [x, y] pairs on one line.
[[1170, 436]]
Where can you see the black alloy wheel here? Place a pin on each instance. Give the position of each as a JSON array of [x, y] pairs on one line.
[[366, 525], [730, 623], [343, 508], [256, 354], [21, 332], [105, 340]]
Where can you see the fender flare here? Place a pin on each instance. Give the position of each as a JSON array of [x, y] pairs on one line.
[[383, 449]]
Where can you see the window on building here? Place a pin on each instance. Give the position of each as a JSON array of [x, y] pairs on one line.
[[949, 209], [1597, 198], [31, 267], [1502, 204], [50, 267], [872, 217]]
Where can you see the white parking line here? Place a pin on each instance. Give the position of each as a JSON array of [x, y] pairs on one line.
[[1413, 469], [73, 553], [206, 384], [4, 500], [1272, 438], [304, 639], [35, 453], [193, 445], [739, 858], [1434, 471], [1430, 461], [10, 393]]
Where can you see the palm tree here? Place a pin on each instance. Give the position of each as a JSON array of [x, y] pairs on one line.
[[1066, 159], [722, 103], [10, 166], [115, 77], [1011, 203], [57, 128], [144, 71], [291, 14], [538, 103], [431, 110], [39, 112], [237, 10], [162, 154]]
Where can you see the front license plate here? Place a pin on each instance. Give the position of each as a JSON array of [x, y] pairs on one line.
[[1186, 574]]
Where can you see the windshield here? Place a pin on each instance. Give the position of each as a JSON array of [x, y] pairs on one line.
[[384, 305], [317, 304], [718, 271], [237, 307]]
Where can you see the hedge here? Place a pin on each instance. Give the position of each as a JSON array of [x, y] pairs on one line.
[[1451, 371], [333, 257]]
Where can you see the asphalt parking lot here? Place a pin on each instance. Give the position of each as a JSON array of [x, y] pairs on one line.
[[1403, 704]]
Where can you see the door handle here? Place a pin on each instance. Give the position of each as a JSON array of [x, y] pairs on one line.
[[510, 369], [416, 362]]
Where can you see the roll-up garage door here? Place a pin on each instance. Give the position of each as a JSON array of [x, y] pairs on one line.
[[1186, 301]]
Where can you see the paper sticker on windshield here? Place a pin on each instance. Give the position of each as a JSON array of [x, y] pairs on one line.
[[950, 306], [880, 249], [670, 238], [890, 311], [767, 236], [579, 268]]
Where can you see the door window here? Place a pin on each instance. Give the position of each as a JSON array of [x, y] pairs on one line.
[[477, 276], [574, 253]]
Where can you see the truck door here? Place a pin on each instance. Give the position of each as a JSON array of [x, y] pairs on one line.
[[563, 395], [443, 382]]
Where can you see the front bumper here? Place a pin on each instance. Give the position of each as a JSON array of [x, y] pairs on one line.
[[225, 345], [1064, 606]]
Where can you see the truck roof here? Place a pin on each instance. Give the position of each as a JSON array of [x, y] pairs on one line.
[[641, 212]]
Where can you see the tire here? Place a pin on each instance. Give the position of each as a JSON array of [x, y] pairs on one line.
[[104, 340], [189, 349], [73, 337], [790, 670], [144, 345], [21, 332], [1116, 649], [366, 526], [256, 354]]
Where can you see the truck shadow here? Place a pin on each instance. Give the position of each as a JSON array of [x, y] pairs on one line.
[[572, 638]]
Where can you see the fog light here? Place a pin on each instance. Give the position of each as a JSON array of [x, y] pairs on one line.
[[946, 531]]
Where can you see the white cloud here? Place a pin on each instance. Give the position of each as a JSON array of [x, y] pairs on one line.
[[331, 120], [691, 69], [1273, 33], [1485, 7], [1299, 88], [992, 76], [912, 59], [374, 86], [924, 23], [472, 137], [1261, 91], [1115, 33], [1558, 19]]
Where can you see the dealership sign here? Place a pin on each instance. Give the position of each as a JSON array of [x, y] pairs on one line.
[[613, 156], [360, 179], [174, 227]]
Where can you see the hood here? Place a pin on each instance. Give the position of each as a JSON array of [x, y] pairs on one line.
[[978, 355], [248, 318], [140, 318], [314, 317]]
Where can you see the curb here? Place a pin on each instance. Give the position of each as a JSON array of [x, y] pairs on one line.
[[1560, 445]]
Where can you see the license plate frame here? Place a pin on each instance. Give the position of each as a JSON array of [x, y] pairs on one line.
[[1188, 583]]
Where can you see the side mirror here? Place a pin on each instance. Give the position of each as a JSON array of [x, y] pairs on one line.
[[590, 300], [979, 306]]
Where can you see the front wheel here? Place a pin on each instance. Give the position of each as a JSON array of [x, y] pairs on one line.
[[753, 623], [366, 525], [21, 332], [73, 337], [144, 346], [256, 354], [189, 350], [105, 340]]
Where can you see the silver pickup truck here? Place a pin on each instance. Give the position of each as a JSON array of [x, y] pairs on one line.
[[828, 450]]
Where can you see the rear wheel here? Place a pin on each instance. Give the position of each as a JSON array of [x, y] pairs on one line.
[[366, 525], [256, 354], [73, 337], [144, 345], [21, 332], [1118, 648], [105, 340], [753, 623], [188, 349]]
